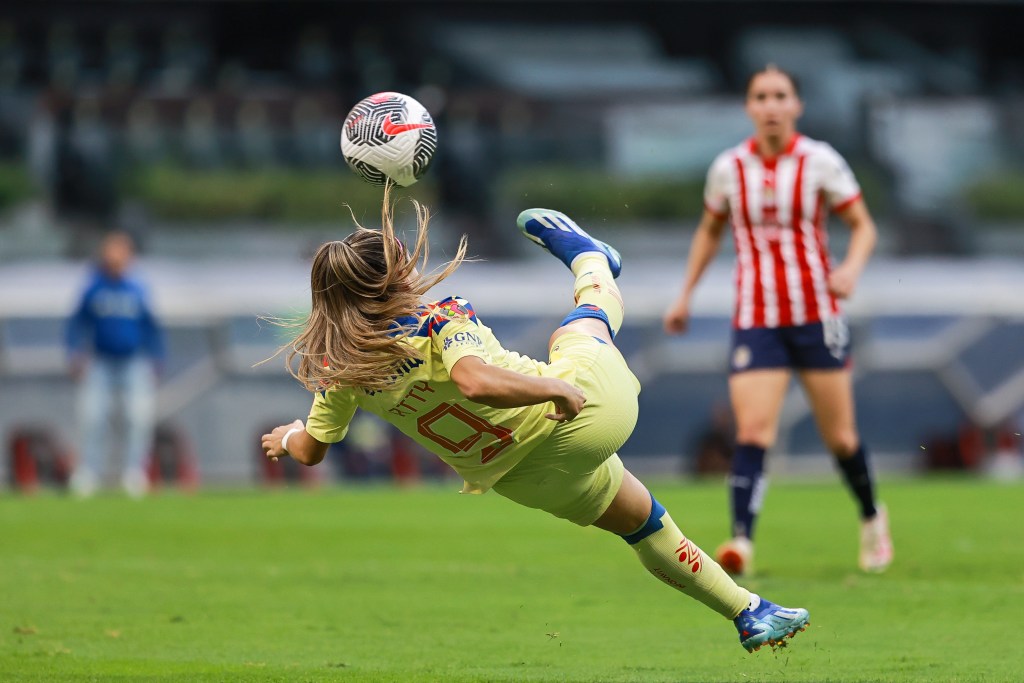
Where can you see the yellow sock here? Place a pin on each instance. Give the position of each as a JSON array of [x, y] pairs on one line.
[[595, 286], [677, 561]]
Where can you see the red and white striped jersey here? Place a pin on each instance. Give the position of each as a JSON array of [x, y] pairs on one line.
[[778, 211]]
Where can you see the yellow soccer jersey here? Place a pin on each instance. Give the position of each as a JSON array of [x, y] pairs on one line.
[[479, 442]]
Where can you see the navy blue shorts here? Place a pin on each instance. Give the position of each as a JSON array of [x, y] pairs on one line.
[[818, 346]]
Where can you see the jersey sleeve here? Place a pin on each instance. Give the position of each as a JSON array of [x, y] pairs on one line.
[[456, 333], [330, 415], [837, 180], [716, 187]]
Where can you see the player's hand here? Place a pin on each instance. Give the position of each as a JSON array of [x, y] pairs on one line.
[[568, 405], [271, 443], [842, 281], [677, 317]]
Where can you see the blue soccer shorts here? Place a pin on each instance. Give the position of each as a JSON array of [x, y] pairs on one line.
[[822, 345]]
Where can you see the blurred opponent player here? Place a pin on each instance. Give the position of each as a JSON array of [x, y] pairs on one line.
[[776, 189], [543, 435]]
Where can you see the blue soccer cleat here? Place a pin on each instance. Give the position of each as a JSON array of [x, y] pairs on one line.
[[560, 235], [769, 624]]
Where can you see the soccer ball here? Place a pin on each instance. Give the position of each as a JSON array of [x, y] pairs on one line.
[[389, 136]]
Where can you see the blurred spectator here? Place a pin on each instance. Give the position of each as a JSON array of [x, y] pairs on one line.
[[201, 138], [144, 134], [314, 135], [254, 134], [115, 347], [184, 60], [91, 161], [375, 68], [315, 62], [42, 139], [12, 57], [72, 158], [63, 55], [234, 78], [124, 59], [466, 180]]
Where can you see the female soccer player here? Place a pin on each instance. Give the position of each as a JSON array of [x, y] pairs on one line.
[[776, 188], [541, 434]]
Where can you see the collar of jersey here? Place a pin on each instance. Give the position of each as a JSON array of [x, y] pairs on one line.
[[790, 146]]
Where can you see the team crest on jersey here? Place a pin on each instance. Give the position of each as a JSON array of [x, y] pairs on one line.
[[451, 310], [443, 312], [741, 357]]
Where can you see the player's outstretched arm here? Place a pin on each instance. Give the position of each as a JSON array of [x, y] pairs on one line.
[[703, 248], [292, 439], [501, 388]]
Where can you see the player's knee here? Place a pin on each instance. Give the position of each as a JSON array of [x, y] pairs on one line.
[[761, 435], [646, 524], [589, 326], [843, 444]]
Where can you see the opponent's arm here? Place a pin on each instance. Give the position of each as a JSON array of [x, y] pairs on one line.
[[706, 240], [501, 388], [843, 279], [301, 446]]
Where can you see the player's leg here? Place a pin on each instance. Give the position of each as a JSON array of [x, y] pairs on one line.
[[140, 416], [665, 552], [830, 393], [576, 475], [636, 516], [599, 311], [757, 397], [93, 410]]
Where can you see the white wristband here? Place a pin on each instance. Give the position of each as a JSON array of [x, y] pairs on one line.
[[284, 439]]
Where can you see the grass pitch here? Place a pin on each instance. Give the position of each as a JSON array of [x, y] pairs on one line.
[[348, 584]]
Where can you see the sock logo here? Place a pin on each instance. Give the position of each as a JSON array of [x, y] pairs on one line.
[[658, 572], [689, 555]]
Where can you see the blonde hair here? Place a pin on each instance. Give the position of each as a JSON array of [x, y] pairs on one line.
[[361, 286]]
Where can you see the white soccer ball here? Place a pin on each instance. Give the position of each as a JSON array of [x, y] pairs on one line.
[[389, 135]]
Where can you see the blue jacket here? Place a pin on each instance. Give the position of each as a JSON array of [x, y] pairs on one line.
[[113, 320]]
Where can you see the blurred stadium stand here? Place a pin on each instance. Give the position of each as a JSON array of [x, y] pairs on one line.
[[925, 100]]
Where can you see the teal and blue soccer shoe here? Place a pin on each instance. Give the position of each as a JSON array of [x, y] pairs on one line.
[[769, 624], [560, 235]]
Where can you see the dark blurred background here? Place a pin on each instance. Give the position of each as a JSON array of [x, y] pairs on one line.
[[210, 131]]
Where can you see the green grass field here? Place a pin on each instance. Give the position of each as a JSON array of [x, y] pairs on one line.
[[381, 584]]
